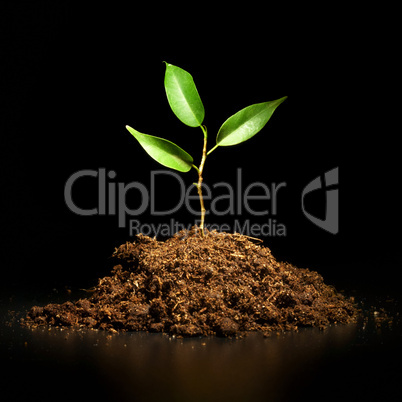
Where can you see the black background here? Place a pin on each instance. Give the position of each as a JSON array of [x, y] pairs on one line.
[[72, 78]]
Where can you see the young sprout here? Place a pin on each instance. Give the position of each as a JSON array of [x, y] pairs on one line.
[[186, 104]]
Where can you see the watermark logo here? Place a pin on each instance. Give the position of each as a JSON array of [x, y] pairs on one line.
[[331, 181], [257, 199], [224, 199]]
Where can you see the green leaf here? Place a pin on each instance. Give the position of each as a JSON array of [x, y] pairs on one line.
[[164, 151], [183, 96], [246, 123]]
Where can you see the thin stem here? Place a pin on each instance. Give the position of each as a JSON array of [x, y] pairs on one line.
[[204, 130], [199, 184], [212, 149]]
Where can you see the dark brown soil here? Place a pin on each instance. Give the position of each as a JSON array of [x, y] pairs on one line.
[[221, 284]]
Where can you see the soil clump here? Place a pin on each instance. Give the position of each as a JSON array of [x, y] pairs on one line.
[[220, 284]]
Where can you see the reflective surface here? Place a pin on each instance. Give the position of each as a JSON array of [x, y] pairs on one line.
[[349, 362]]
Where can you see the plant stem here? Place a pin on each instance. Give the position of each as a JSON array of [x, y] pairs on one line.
[[212, 149], [199, 184]]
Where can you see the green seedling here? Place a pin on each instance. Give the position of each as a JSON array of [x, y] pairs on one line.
[[186, 104]]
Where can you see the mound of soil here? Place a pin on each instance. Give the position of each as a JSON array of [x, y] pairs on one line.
[[220, 284]]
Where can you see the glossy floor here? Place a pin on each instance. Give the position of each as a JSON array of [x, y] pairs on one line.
[[347, 362]]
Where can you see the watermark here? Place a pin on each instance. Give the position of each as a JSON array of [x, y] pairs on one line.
[[111, 197], [258, 199], [270, 228], [330, 184]]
